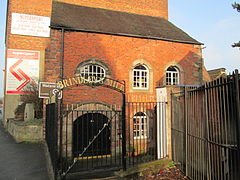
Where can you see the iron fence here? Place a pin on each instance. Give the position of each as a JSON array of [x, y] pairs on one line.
[[205, 130], [141, 131], [93, 137], [90, 137], [91, 140]]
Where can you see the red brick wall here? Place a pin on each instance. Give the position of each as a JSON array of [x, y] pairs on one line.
[[44, 8], [145, 7], [32, 7], [53, 56], [119, 53]]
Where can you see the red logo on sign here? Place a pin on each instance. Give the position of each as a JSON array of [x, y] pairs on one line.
[[19, 74]]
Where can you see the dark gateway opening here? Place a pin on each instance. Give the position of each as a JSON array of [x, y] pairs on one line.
[[91, 131]]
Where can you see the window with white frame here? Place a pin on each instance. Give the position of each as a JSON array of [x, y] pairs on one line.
[[140, 77], [92, 70], [172, 76], [140, 125]]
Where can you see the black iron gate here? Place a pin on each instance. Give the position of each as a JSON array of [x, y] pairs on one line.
[[97, 137], [88, 136], [92, 138]]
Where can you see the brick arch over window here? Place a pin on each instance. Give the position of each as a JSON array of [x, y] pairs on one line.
[[92, 62], [173, 74], [141, 76]]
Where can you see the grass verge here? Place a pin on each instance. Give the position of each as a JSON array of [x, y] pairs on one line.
[[146, 168]]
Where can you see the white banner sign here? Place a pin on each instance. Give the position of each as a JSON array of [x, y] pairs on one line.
[[30, 25], [22, 70]]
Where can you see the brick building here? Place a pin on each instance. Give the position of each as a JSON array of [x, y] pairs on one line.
[[128, 41], [120, 44]]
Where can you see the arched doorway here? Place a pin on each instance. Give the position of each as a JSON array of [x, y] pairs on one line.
[[91, 131]]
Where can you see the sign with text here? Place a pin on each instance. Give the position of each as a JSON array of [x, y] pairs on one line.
[[22, 70], [30, 25], [47, 89], [92, 81]]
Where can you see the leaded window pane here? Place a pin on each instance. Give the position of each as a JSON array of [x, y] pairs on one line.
[[93, 70], [140, 125], [140, 77], [172, 76]]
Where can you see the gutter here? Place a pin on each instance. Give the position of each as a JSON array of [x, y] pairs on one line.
[[127, 35]]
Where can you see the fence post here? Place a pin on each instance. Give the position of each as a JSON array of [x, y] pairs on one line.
[[124, 132], [171, 111], [237, 105], [186, 126], [206, 127], [55, 126]]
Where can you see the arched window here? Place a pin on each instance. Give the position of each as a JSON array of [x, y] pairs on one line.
[[140, 125], [140, 77], [172, 75], [92, 70]]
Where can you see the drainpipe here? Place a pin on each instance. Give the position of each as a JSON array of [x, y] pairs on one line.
[[61, 102], [62, 56]]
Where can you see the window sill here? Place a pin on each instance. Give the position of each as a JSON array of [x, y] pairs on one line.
[[140, 90], [141, 137]]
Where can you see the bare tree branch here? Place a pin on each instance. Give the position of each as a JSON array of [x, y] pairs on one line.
[[31, 98]]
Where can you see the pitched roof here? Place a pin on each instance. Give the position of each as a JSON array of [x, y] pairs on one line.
[[81, 18], [217, 73]]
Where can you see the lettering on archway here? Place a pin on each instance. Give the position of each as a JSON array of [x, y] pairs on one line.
[[92, 81]]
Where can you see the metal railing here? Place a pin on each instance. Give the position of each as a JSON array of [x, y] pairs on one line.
[[91, 136], [91, 139], [205, 130], [141, 131]]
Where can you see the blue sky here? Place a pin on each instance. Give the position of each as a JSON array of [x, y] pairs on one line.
[[3, 7], [212, 22]]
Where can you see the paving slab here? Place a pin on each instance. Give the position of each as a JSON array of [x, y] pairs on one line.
[[23, 161]]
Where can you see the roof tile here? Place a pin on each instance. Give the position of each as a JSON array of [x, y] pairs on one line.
[[81, 18]]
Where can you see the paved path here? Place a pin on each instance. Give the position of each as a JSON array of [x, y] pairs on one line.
[[21, 161]]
